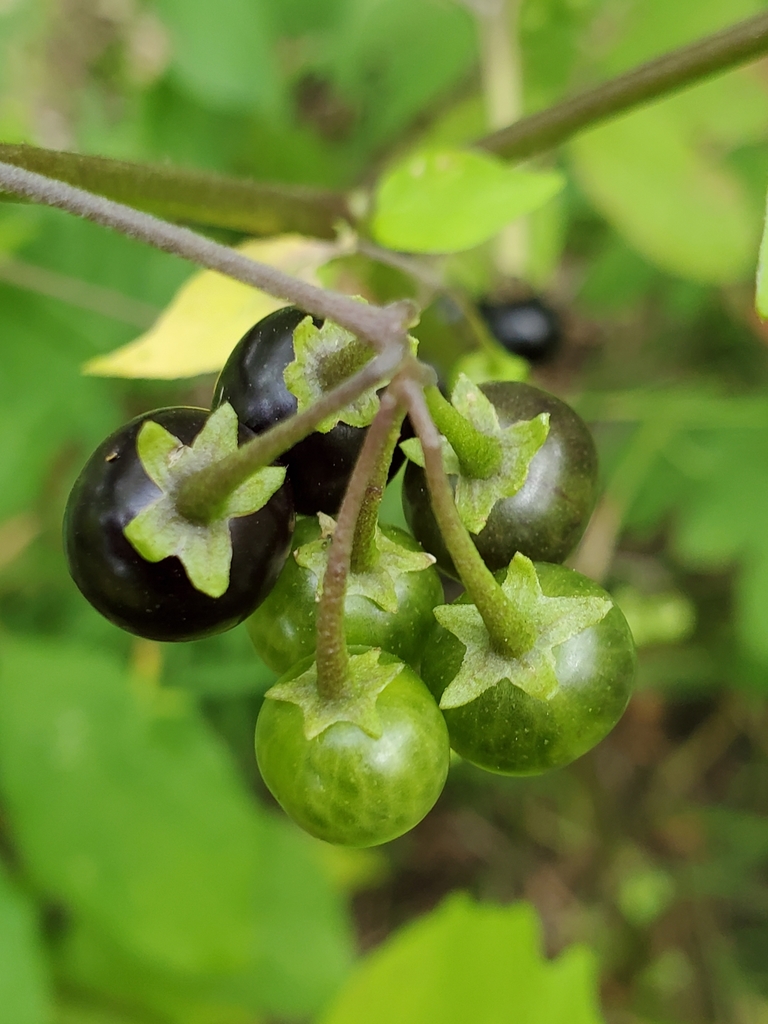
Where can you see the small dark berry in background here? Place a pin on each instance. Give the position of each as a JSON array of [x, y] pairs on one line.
[[525, 327]]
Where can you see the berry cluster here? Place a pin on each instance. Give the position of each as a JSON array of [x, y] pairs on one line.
[[181, 524]]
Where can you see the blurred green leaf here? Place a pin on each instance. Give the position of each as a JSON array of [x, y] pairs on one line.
[[44, 401], [70, 1012], [674, 203], [449, 200], [24, 995], [224, 53], [470, 962], [549, 36], [126, 809], [393, 58], [296, 909], [665, 617], [647, 29]]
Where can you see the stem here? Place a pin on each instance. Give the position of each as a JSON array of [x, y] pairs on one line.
[[81, 294], [509, 631], [431, 285], [193, 196], [332, 656], [379, 325], [660, 77], [202, 493], [365, 554], [479, 455], [500, 67]]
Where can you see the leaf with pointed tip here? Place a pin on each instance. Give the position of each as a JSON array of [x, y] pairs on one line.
[[366, 679], [553, 620], [449, 200], [210, 312]]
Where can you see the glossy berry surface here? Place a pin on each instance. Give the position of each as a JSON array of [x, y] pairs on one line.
[[527, 327], [545, 519], [252, 381], [283, 628], [346, 787], [507, 731], [156, 600]]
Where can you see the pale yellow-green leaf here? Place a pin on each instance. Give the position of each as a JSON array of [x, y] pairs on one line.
[[210, 313], [669, 195]]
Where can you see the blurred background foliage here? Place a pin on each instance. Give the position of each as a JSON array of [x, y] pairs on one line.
[[145, 877]]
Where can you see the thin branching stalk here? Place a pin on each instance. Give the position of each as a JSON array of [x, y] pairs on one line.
[[202, 494], [364, 549], [192, 196], [332, 657], [509, 631], [660, 77], [379, 325]]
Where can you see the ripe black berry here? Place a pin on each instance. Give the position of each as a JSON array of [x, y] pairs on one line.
[[155, 599], [527, 328], [252, 382]]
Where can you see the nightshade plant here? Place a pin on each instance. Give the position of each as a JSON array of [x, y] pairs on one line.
[[350, 740]]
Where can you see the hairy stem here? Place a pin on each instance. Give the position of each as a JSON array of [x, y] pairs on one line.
[[381, 326], [364, 551], [431, 284], [203, 493], [332, 657], [479, 455], [195, 197], [660, 77], [509, 631]]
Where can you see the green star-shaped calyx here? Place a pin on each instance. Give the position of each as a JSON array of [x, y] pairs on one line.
[[159, 531], [553, 620], [476, 496], [378, 583], [366, 679], [323, 357]]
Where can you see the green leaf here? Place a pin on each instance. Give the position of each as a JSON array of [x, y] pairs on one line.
[[126, 809], [365, 681], [160, 531], [210, 313], [378, 582], [377, 58], [295, 908], [449, 200], [484, 365], [552, 620], [470, 962], [24, 987], [40, 346], [672, 200], [225, 54]]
